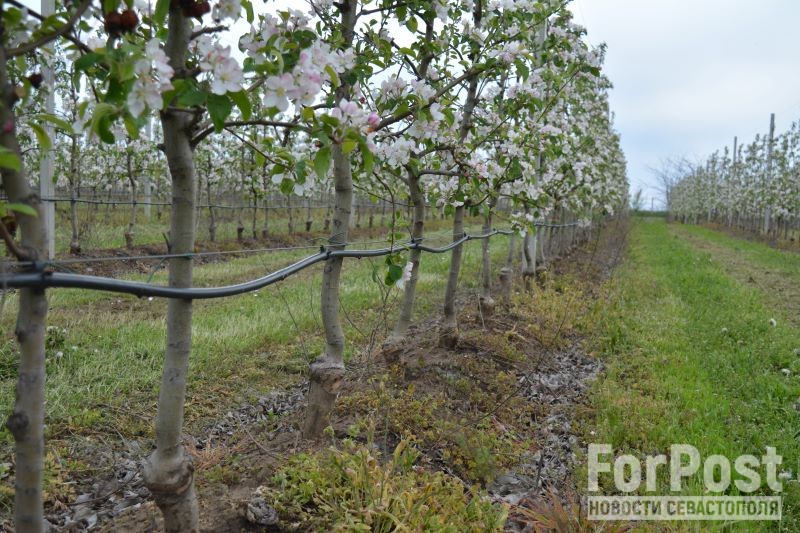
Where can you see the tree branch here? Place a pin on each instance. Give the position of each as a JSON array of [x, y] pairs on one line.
[[468, 74], [234, 123], [60, 32], [11, 244]]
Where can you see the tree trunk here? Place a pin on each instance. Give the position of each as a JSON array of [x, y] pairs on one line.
[[26, 421], [169, 471], [239, 220], [290, 224], [529, 253], [448, 336], [410, 288], [327, 218], [254, 221], [309, 219], [212, 218], [485, 301], [74, 242], [265, 228], [327, 372], [506, 273], [131, 231]]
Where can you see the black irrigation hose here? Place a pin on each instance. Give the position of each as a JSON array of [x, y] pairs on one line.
[[165, 204], [44, 279]]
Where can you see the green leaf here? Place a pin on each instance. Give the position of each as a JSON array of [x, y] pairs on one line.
[[322, 161], [193, 96], [367, 158], [411, 24], [349, 146], [9, 159], [101, 121], [131, 126], [54, 120], [41, 137], [287, 186], [243, 103], [104, 130], [160, 14], [308, 114], [25, 209], [90, 59], [219, 107], [333, 75], [393, 274], [248, 7]]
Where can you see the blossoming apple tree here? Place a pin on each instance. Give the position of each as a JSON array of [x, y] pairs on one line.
[[460, 103]]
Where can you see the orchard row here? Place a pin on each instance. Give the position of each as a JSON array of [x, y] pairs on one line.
[[465, 105]]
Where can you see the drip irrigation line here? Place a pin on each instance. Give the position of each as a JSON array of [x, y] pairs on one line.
[[299, 205], [163, 257], [42, 279]]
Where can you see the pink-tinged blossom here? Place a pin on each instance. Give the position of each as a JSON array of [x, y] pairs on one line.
[[373, 120], [226, 73], [277, 89], [153, 75], [227, 9], [145, 93], [228, 76]]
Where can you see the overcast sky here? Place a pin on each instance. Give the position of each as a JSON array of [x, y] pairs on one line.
[[688, 75]]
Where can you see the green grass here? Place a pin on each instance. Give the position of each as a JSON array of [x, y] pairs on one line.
[[104, 369], [756, 252], [104, 227], [692, 358]]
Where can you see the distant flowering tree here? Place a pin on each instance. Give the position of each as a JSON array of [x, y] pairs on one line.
[[755, 187]]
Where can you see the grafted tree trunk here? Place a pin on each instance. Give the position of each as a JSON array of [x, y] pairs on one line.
[[506, 273], [417, 201], [254, 221], [448, 336], [169, 471], [26, 421], [327, 371], [212, 218], [130, 232], [73, 180], [290, 224], [239, 219], [486, 302], [529, 253], [410, 288], [309, 218]]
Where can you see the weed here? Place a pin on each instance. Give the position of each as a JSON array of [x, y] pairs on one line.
[[351, 489]]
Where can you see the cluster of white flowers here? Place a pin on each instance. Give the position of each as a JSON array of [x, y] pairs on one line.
[[153, 75], [396, 153], [401, 283], [304, 82], [227, 9], [226, 73], [349, 113], [509, 52]]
